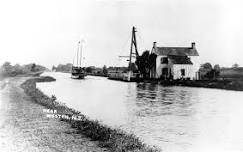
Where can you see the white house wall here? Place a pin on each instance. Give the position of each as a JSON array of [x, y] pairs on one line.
[[159, 66], [190, 70], [176, 71], [196, 65]]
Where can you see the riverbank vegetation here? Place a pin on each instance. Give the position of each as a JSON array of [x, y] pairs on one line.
[[236, 85], [208, 72], [62, 68], [90, 70], [146, 63], [230, 78], [8, 70], [114, 139]]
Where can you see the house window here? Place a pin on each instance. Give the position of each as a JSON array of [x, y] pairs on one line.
[[183, 72], [164, 60]]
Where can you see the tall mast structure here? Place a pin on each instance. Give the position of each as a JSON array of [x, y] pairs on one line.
[[78, 52], [132, 53], [81, 47]]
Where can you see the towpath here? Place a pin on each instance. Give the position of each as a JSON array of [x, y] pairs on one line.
[[24, 126]]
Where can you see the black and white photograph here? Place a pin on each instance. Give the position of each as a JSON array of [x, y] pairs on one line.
[[121, 76]]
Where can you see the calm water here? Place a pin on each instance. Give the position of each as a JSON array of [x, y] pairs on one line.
[[173, 118]]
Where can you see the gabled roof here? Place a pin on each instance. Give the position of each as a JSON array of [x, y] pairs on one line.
[[180, 59], [177, 51]]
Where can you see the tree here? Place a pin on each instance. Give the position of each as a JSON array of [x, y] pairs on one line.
[[33, 67], [146, 62], [17, 69], [53, 68], [6, 64], [207, 66], [216, 70], [104, 70], [235, 65], [143, 63], [64, 67], [6, 68], [205, 71], [216, 67], [88, 69]]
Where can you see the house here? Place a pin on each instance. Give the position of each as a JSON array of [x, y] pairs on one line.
[[174, 62]]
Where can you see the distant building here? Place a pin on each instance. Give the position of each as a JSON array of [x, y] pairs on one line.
[[97, 70], [94, 70], [116, 70], [174, 62]]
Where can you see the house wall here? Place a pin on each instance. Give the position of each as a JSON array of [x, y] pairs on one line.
[[176, 71], [159, 66], [190, 70], [196, 66]]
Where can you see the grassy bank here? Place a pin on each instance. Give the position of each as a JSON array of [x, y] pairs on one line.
[[236, 85], [113, 139]]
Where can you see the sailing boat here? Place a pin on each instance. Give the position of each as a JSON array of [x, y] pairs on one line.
[[77, 71], [131, 74]]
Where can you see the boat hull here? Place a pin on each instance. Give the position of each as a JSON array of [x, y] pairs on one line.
[[78, 73], [78, 76], [128, 77]]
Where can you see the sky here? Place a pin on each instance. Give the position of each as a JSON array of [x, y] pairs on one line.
[[46, 32]]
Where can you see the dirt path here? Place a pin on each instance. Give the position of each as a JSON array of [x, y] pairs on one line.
[[24, 126]]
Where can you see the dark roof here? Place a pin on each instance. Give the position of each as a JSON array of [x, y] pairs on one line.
[[177, 51], [180, 59]]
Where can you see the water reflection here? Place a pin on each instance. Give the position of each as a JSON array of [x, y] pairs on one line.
[[173, 118], [163, 100]]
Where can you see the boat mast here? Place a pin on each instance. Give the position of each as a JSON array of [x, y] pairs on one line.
[[78, 52], [81, 53]]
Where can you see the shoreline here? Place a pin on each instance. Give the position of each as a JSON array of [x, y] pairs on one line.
[[113, 139], [25, 127], [234, 84]]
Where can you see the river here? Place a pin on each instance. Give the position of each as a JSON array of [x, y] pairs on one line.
[[174, 119]]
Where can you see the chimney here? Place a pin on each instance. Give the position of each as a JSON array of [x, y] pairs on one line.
[[154, 44], [193, 45], [154, 47]]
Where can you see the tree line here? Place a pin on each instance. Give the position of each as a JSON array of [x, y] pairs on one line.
[[7, 69]]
